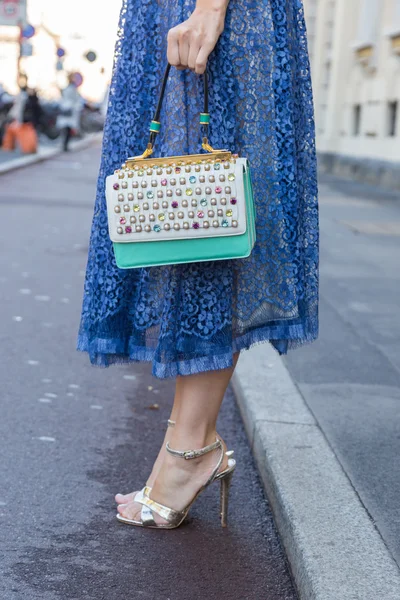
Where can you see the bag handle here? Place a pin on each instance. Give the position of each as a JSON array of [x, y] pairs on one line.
[[155, 124]]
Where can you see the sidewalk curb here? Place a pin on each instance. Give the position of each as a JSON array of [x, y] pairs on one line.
[[46, 153], [333, 546]]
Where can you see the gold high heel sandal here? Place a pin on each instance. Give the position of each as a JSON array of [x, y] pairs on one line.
[[171, 423], [173, 517]]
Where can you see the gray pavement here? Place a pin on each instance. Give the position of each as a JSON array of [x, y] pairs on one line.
[[350, 378], [324, 421], [72, 435]]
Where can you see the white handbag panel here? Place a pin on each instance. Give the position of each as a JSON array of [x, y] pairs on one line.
[[181, 204]]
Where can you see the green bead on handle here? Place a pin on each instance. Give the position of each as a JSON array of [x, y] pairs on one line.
[[204, 118], [155, 126]]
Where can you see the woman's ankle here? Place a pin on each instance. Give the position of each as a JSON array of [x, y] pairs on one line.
[[182, 439]]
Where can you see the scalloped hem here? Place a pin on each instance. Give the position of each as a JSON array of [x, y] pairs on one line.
[[106, 352]]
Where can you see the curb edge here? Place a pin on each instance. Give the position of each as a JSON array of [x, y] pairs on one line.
[[333, 547]]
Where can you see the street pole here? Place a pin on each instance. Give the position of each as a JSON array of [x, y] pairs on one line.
[[19, 57]]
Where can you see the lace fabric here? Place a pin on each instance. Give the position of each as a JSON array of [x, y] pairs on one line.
[[191, 318]]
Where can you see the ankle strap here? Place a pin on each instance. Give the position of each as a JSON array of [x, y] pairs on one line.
[[188, 454]]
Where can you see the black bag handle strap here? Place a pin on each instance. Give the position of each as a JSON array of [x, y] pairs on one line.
[[155, 124]]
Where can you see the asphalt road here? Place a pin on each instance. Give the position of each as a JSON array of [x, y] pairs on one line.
[[71, 435], [350, 377]]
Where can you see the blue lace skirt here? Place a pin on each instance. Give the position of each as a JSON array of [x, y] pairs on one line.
[[191, 318]]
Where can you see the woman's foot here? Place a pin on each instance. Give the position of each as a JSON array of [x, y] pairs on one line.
[[126, 498], [178, 480]]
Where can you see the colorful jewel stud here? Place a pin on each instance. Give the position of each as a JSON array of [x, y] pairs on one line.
[[157, 228], [163, 182], [128, 229], [116, 186], [174, 204], [192, 179], [233, 200], [189, 191], [196, 225], [231, 176], [203, 202], [229, 212], [218, 189]]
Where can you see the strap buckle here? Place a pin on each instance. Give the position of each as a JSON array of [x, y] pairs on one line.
[[189, 454]]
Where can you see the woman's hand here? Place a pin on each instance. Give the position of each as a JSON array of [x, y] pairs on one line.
[[191, 42]]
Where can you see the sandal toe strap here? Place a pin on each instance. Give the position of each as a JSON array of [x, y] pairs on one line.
[[169, 514], [146, 516]]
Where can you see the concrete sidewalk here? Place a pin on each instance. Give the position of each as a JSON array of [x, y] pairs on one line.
[[333, 546], [46, 152], [323, 421]]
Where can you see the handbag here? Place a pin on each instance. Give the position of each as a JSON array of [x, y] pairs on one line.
[[180, 209]]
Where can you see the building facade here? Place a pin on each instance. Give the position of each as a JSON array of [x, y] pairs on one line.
[[354, 50]]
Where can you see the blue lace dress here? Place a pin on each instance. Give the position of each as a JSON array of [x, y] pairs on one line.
[[191, 318]]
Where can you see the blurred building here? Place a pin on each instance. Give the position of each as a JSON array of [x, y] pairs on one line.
[[69, 26], [354, 50]]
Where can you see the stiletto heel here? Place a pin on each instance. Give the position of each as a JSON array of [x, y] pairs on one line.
[[173, 517], [225, 488]]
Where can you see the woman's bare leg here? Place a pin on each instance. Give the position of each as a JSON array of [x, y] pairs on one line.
[[178, 480], [125, 498]]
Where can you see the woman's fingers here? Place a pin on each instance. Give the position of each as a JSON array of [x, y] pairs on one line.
[[191, 42], [173, 47], [202, 57], [194, 48]]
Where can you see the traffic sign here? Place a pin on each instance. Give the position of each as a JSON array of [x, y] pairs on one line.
[[12, 12], [91, 56]]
